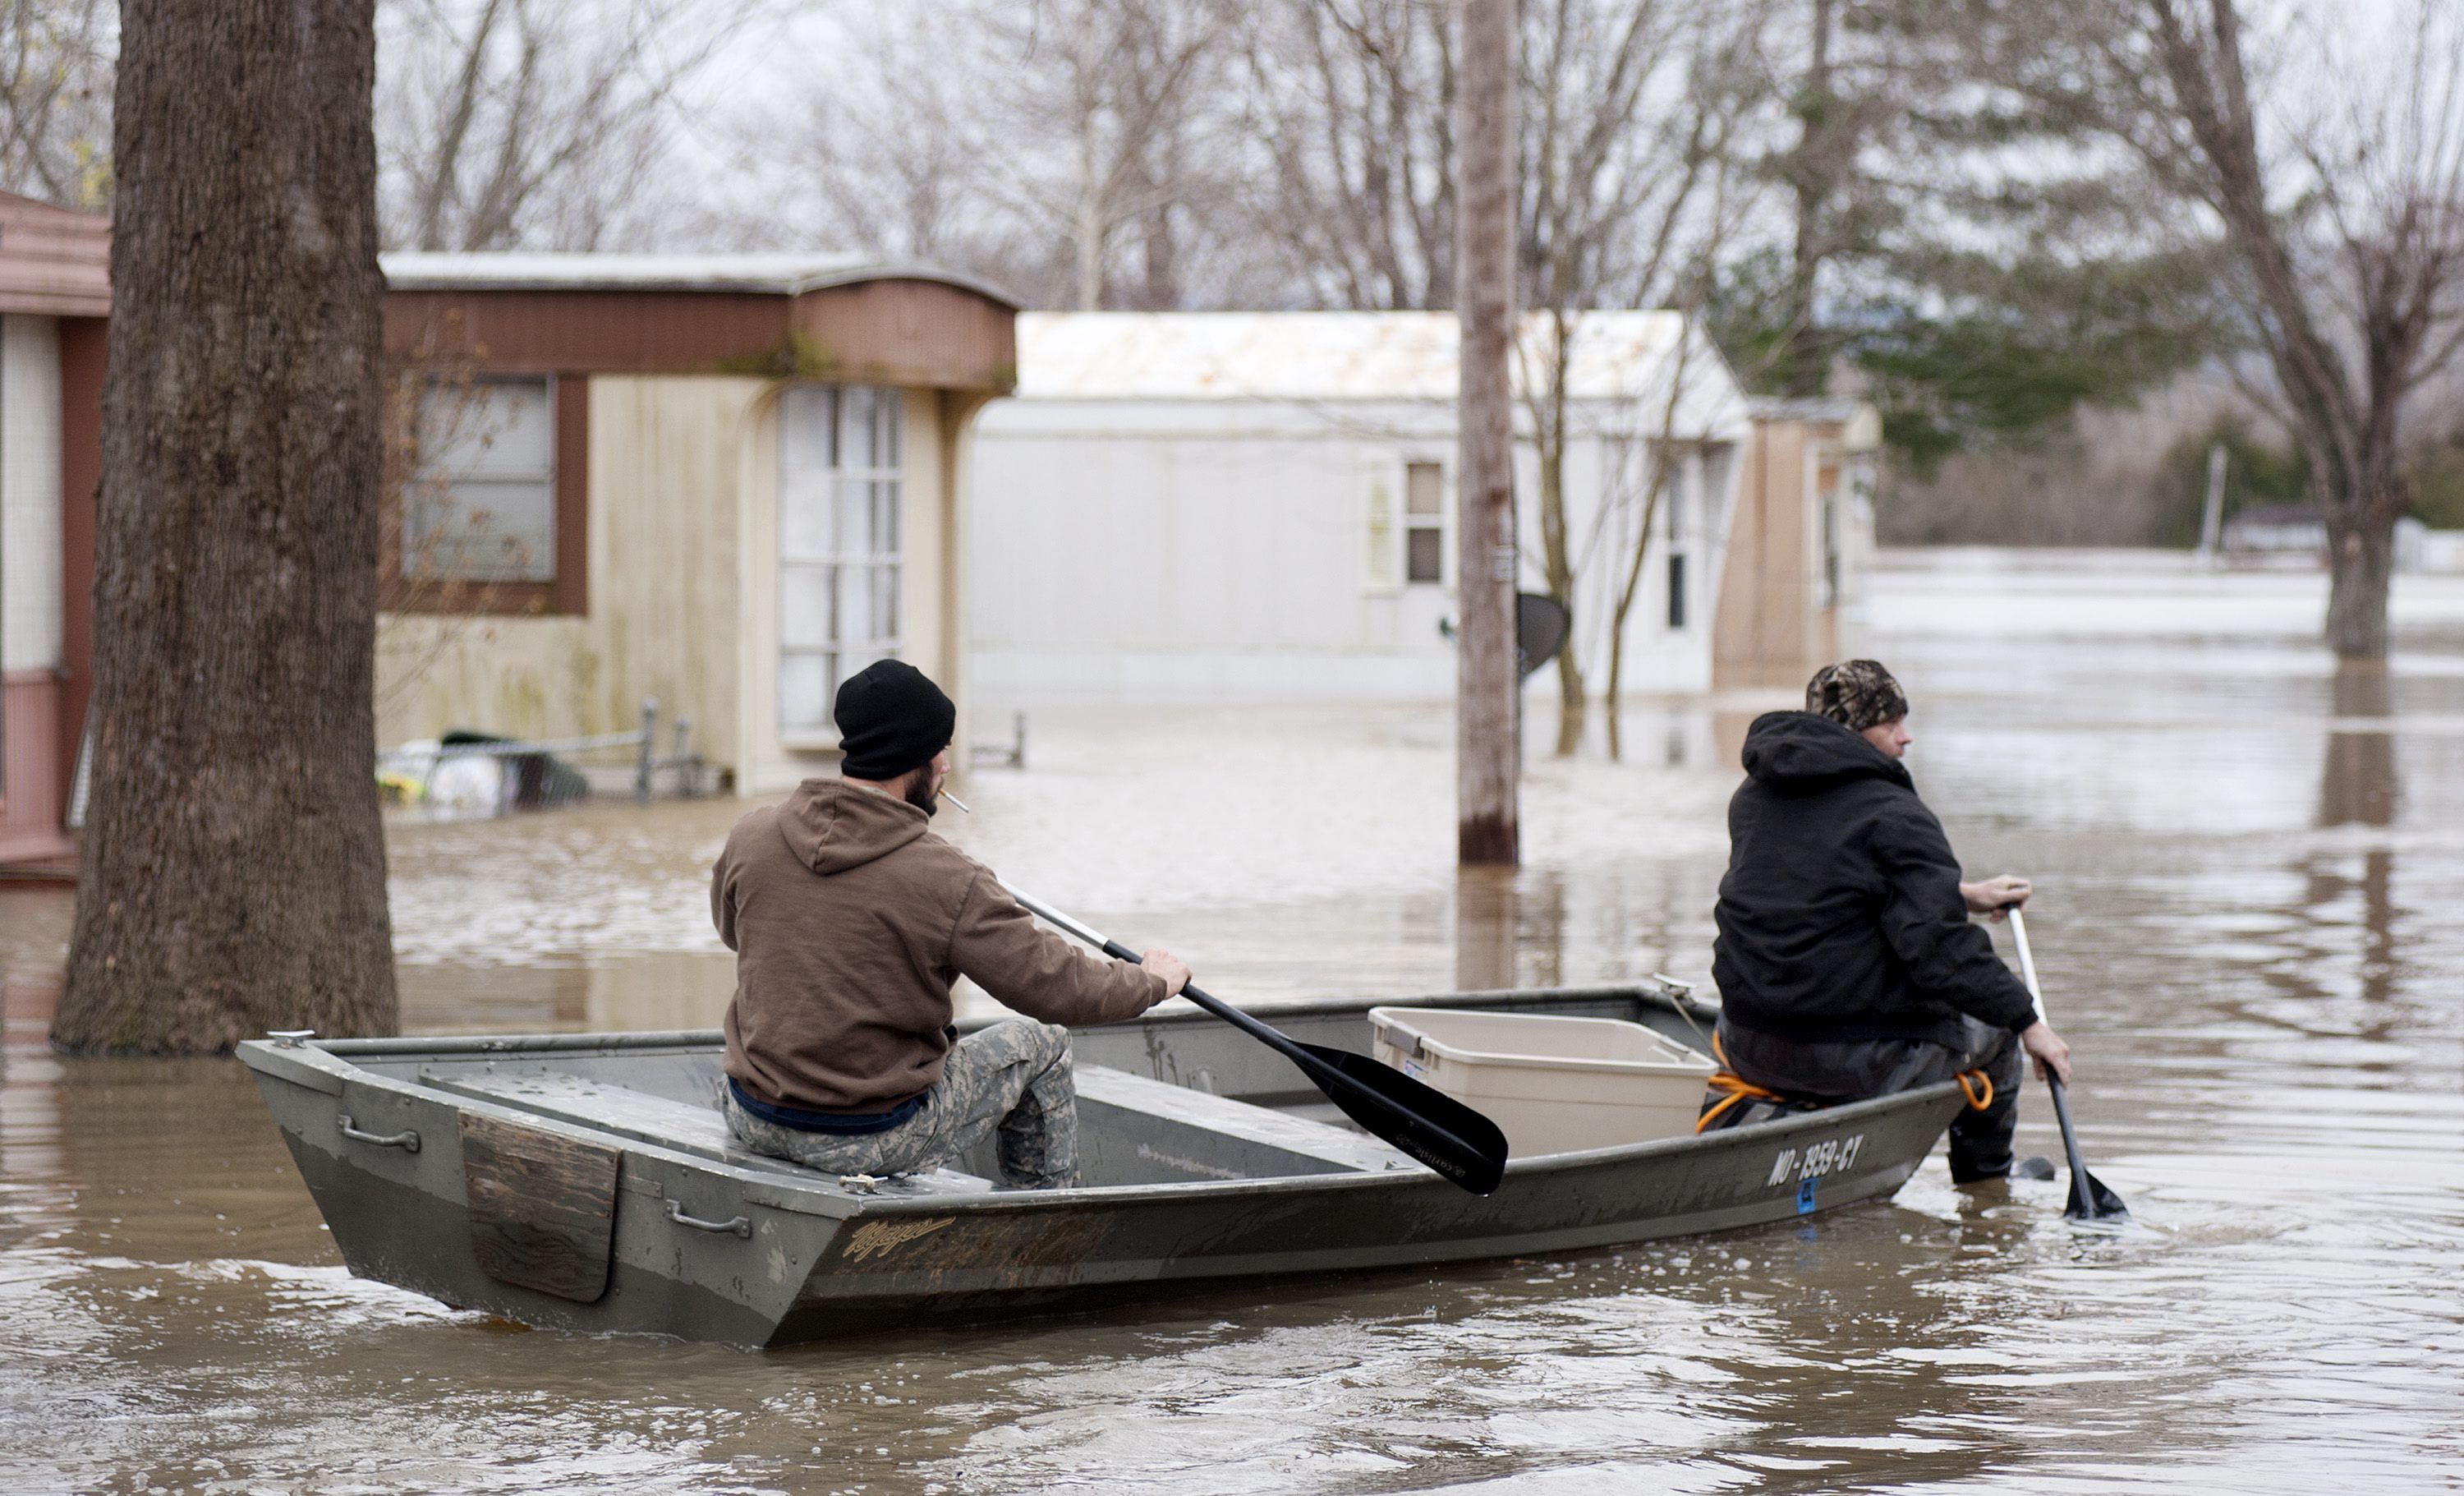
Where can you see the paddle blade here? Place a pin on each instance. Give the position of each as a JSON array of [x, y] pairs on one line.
[[2091, 1201], [1422, 1121]]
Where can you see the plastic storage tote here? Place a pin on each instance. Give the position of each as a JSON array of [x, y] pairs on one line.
[[1554, 1085]]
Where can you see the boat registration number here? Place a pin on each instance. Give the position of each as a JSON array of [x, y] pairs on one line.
[[1831, 1156]]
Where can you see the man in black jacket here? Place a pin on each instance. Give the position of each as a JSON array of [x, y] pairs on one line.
[[1846, 962]]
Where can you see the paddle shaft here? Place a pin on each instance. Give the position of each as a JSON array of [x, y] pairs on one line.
[[1401, 1111], [2084, 1186], [1272, 1037]]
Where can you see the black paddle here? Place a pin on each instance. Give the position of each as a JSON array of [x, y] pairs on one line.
[[2090, 1199], [1431, 1126]]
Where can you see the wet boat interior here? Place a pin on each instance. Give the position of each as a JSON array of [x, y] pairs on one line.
[[1169, 1101]]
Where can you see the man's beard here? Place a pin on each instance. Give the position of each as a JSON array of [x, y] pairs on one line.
[[920, 792]]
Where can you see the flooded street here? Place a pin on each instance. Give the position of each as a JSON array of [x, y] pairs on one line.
[[2249, 867]]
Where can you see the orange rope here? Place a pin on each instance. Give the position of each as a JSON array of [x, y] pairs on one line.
[[1969, 1091], [1737, 1086]]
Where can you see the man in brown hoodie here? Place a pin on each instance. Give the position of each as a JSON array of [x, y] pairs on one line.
[[850, 920]]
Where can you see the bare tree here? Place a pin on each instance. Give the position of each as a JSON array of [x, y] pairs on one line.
[[1106, 93], [508, 122], [56, 76], [917, 191], [1353, 104], [2345, 219], [1629, 136], [1860, 72], [234, 873], [1657, 454], [1074, 150]]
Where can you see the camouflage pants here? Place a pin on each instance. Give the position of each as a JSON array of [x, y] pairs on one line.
[[1012, 1078]]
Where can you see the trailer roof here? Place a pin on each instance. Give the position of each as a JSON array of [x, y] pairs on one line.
[[1332, 355], [782, 272]]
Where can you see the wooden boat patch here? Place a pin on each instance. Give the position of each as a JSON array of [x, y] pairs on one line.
[[542, 1206]]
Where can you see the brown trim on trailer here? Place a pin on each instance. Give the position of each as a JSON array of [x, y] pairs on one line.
[[53, 261], [30, 810], [915, 333], [909, 332], [572, 494], [599, 332], [85, 341]]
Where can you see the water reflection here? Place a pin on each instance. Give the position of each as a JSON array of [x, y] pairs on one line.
[[1510, 928], [2357, 786], [1486, 907]]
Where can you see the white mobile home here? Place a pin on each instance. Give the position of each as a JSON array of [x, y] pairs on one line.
[[1256, 507]]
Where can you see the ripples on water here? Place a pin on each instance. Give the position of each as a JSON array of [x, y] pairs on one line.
[[2248, 865]]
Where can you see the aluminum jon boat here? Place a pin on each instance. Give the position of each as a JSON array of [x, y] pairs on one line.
[[587, 1181]]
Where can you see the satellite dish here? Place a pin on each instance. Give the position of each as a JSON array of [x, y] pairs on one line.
[[1539, 631]]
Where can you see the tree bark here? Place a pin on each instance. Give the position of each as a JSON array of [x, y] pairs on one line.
[[1487, 753], [2361, 562], [2349, 418], [234, 869], [1812, 179]]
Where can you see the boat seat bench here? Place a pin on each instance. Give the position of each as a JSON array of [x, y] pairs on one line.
[[652, 1118], [1180, 1134], [1169, 1133]]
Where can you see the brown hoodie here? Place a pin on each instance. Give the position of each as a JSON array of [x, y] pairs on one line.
[[849, 921]]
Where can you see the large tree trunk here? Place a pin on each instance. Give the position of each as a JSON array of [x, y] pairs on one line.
[[1487, 754], [234, 866]]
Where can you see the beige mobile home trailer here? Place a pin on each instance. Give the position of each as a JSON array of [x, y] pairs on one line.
[[724, 482]]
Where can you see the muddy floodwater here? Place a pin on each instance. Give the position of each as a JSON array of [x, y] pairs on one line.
[[2251, 927]]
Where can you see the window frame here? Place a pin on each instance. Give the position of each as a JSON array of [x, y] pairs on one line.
[[824, 735], [1435, 522], [1679, 532], [569, 593]]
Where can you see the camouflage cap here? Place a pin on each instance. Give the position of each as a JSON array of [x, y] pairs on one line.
[[1856, 693]]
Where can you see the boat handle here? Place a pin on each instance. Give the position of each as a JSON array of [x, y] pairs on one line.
[[407, 1140], [739, 1226]]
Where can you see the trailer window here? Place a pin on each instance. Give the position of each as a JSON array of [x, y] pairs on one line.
[[480, 505], [1424, 521], [839, 556]]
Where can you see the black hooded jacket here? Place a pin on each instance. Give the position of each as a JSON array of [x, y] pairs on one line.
[[1841, 915]]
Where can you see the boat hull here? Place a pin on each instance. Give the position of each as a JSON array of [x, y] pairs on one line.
[[811, 1259]]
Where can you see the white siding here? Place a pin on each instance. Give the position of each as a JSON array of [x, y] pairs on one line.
[[1185, 507], [1174, 564], [30, 492]]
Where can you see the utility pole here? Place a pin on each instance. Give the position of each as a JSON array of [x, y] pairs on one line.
[[1488, 751]]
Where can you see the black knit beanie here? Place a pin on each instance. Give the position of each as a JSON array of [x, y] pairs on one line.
[[892, 718], [1855, 694]]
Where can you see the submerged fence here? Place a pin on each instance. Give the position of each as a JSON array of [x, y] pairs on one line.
[[530, 765]]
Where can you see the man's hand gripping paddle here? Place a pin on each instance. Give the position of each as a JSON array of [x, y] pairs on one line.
[[2090, 1199], [1431, 1126]]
